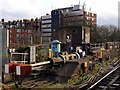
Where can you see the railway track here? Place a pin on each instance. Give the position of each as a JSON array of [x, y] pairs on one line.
[[111, 81], [89, 85], [38, 82]]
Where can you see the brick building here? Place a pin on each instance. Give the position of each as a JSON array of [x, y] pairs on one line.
[[24, 32]]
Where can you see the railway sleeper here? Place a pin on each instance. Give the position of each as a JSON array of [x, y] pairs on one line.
[[113, 80], [116, 84], [102, 87]]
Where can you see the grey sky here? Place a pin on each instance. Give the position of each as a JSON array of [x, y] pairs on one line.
[[107, 10]]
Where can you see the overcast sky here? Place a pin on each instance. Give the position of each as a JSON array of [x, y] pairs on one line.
[[107, 10]]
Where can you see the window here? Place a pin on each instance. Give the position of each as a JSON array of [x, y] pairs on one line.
[[23, 25], [17, 40], [29, 31], [26, 30], [25, 35], [23, 31], [62, 11], [22, 35], [67, 10], [29, 40], [18, 30], [18, 35], [29, 35], [87, 18], [18, 24]]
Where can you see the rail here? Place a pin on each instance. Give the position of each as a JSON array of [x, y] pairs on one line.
[[92, 86]]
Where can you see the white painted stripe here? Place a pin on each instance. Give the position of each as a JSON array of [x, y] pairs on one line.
[[18, 71], [6, 68]]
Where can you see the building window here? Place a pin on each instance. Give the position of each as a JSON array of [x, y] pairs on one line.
[[67, 10], [18, 35], [23, 31], [23, 25], [18, 30], [88, 18], [17, 40], [87, 13], [18, 24], [29, 40], [29, 31], [62, 11], [26, 30], [22, 35], [29, 35], [25, 35]]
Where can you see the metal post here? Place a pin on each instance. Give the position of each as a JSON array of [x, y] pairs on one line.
[[2, 76]]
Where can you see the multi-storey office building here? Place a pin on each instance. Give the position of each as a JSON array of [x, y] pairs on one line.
[[46, 28], [74, 22]]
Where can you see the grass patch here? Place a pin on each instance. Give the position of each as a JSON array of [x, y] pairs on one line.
[[57, 86], [13, 87]]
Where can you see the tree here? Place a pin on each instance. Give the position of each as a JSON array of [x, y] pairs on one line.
[[105, 33]]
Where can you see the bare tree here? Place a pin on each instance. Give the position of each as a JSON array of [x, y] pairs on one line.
[[105, 33]]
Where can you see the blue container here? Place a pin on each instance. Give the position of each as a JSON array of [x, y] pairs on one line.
[[55, 46]]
